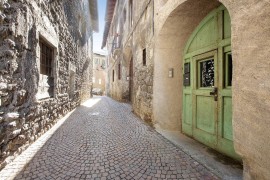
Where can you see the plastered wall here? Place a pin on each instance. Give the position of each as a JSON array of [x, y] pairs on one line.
[[250, 31]]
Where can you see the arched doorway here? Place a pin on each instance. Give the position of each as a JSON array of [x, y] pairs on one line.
[[207, 83], [172, 30]]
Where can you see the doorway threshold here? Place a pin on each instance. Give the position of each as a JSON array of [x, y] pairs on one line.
[[224, 167]]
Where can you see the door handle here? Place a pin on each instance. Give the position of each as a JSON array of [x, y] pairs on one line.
[[214, 93]]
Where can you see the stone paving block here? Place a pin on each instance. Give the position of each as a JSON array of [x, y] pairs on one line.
[[106, 141]]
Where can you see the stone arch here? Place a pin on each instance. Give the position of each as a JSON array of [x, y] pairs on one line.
[[250, 48], [178, 21]]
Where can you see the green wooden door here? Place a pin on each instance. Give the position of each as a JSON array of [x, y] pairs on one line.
[[205, 104], [207, 97]]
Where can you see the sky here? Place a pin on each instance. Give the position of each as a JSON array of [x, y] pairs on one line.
[[98, 37]]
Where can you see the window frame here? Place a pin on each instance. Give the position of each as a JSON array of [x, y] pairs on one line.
[[144, 57], [47, 80], [113, 75], [48, 65], [130, 13], [119, 71]]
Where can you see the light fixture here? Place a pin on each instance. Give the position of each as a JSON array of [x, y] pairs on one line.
[[170, 72]]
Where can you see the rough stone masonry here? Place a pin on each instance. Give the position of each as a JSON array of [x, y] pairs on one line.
[[65, 25]]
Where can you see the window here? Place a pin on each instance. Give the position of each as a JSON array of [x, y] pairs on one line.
[[228, 69], [119, 71], [71, 83], [46, 78], [99, 81], [94, 80], [131, 13], [144, 57], [103, 64], [207, 73], [46, 59], [113, 75], [125, 15]]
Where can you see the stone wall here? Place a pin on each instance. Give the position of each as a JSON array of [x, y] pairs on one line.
[[114, 43], [143, 38], [23, 117], [133, 42]]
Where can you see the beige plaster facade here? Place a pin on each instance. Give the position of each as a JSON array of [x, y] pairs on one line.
[[163, 28]]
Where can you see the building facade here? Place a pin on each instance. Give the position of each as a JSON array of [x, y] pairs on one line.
[[199, 67], [45, 67], [130, 57], [99, 72]]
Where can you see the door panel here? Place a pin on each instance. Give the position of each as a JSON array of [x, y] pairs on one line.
[[205, 106], [227, 25], [205, 114], [187, 109], [206, 36], [227, 118]]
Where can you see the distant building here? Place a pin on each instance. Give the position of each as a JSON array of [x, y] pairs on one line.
[[196, 66], [99, 71]]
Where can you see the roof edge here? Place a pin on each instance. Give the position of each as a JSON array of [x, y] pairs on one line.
[[108, 19], [93, 6]]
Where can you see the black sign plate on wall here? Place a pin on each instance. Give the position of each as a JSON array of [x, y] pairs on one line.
[[186, 80]]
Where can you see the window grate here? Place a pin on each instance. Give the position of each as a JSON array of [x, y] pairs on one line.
[[46, 59]]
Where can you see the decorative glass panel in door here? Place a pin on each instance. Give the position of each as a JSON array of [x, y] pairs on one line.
[[207, 74]]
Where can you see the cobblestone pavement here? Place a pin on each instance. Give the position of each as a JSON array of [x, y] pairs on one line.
[[106, 141]]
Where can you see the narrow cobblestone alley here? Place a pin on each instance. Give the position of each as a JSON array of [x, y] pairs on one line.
[[102, 139]]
